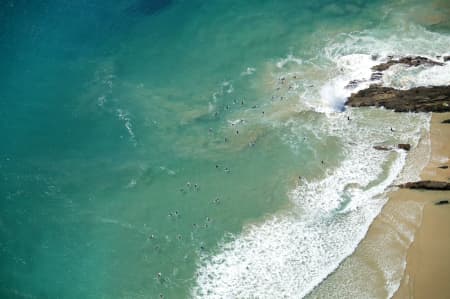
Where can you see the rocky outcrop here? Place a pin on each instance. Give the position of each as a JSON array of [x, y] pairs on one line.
[[410, 61], [382, 148], [419, 99], [426, 185], [404, 146]]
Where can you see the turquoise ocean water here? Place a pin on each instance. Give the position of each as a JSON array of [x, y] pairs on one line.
[[198, 149]]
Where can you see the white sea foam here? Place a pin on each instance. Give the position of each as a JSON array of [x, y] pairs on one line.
[[125, 117], [290, 253], [290, 58]]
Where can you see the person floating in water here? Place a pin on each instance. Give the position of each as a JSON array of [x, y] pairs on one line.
[[159, 277]]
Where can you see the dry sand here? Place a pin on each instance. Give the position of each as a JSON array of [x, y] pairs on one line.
[[427, 273]]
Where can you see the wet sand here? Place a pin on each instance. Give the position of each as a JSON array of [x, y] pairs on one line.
[[427, 273]]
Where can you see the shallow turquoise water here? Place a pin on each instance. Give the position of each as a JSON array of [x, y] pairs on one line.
[[139, 137]]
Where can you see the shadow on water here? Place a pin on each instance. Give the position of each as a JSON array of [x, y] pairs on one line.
[[149, 7]]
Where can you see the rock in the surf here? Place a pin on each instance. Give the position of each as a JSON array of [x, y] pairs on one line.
[[382, 148], [426, 185], [410, 61], [418, 99], [404, 146]]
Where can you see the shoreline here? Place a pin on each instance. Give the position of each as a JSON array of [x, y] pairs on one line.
[[404, 253], [427, 271]]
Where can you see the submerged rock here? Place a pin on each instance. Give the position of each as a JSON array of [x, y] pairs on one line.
[[149, 7], [446, 121], [410, 61], [426, 185], [419, 99]]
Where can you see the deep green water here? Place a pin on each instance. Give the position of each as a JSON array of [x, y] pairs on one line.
[[141, 137]]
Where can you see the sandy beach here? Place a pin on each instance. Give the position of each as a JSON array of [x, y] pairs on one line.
[[427, 273]]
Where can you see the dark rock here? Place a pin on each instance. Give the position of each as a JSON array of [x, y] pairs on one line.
[[447, 121], [410, 61], [426, 185], [441, 202], [419, 99], [446, 58], [353, 84], [382, 148], [404, 146], [376, 76], [443, 167]]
